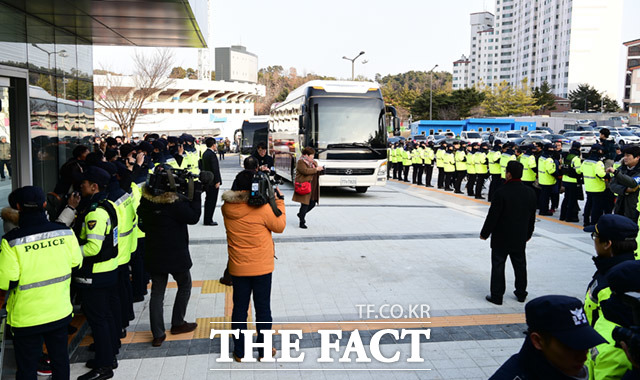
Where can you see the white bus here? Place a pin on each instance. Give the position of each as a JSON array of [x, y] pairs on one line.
[[345, 122]]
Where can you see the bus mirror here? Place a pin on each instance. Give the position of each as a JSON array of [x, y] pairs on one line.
[[396, 126], [391, 110], [301, 124]]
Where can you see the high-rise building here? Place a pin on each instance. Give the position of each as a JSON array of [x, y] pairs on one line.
[[631, 100], [562, 42], [236, 64]]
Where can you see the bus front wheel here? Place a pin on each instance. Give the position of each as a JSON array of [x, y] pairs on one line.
[[361, 189]]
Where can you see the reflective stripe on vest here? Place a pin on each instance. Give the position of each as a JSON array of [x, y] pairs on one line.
[[41, 236], [40, 284]]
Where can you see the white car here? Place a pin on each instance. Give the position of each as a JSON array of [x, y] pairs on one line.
[[471, 137], [624, 137], [538, 132], [508, 136]]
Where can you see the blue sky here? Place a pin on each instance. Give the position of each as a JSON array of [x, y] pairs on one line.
[[313, 36]]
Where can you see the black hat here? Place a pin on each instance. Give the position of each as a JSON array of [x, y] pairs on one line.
[[575, 145], [614, 227], [110, 153], [596, 147], [97, 175], [30, 198], [624, 277], [564, 318], [145, 146], [111, 141], [160, 145], [172, 139], [125, 149], [548, 146]]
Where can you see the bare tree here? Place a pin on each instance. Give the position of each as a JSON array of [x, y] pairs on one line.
[[120, 98]]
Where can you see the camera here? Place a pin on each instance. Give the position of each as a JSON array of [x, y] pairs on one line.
[[183, 182], [263, 192], [630, 335]]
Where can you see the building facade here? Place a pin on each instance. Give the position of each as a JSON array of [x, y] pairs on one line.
[[198, 107], [632, 78], [236, 64], [562, 42], [46, 72]]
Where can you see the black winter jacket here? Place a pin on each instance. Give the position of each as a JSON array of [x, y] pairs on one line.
[[511, 217], [164, 219]]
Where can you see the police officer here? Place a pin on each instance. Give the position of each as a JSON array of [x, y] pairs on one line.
[[442, 150], [461, 165], [406, 160], [449, 166], [608, 360], [98, 276], [36, 260], [571, 172], [397, 167], [528, 161], [594, 184], [558, 339], [481, 164], [417, 154], [494, 168], [547, 178], [614, 241], [471, 169], [429, 155]]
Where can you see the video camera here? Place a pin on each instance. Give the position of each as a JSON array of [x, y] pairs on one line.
[[183, 182], [263, 192], [630, 335]]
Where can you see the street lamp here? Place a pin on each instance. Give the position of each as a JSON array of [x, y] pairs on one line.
[[62, 53], [353, 60], [431, 93]]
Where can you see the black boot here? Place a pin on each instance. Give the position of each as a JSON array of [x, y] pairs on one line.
[[98, 374]]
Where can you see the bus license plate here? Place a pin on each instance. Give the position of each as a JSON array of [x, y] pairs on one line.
[[348, 181]]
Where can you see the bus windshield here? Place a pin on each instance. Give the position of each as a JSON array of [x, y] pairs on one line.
[[344, 120], [252, 135]]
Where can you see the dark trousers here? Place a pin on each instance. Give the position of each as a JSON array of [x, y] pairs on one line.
[[4, 163], [158, 287], [569, 208], [555, 196], [125, 293], [459, 177], [471, 181], [428, 169], [449, 179], [221, 154], [496, 181], [609, 201], [417, 174], [139, 278], [405, 169], [544, 198], [260, 286], [28, 350], [210, 203], [304, 210], [480, 178], [519, 262], [97, 307], [441, 176], [593, 208], [397, 170]]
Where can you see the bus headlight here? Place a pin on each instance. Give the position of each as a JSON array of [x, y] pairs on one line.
[[382, 170]]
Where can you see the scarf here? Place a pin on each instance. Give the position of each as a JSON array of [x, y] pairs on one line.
[[310, 164]]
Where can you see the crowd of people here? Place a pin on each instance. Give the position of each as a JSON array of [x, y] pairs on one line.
[[606, 173], [101, 236]]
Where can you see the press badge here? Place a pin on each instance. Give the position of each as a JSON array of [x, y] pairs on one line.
[[115, 236]]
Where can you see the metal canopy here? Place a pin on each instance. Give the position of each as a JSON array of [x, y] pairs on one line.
[[167, 23]]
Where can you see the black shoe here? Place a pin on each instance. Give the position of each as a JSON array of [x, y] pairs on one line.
[[303, 225], [493, 300], [138, 299], [458, 192], [91, 363], [545, 214], [479, 197], [210, 223], [445, 189], [428, 185], [44, 366], [97, 374], [520, 298], [572, 220], [440, 187], [123, 333]]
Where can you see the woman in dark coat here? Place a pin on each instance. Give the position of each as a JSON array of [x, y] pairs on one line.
[[164, 219], [307, 170]]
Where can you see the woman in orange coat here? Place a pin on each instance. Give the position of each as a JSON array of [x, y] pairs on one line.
[[251, 253], [307, 170]]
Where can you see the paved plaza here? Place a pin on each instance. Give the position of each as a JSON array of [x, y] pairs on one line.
[[398, 245]]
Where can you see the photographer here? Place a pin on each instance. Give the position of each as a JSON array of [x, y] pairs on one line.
[[265, 162], [164, 215], [251, 252]]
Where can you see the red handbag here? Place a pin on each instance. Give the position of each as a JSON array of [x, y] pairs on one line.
[[302, 188]]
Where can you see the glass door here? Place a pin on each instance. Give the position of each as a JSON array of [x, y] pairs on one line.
[[7, 160]]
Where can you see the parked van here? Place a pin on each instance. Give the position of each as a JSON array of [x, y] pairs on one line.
[[471, 137]]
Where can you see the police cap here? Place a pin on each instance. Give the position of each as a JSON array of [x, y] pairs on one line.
[[30, 198], [564, 318], [575, 145], [614, 227], [97, 175]]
